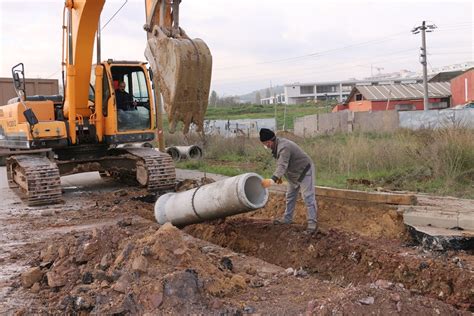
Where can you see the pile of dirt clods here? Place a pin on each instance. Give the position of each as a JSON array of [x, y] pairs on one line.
[[113, 270]]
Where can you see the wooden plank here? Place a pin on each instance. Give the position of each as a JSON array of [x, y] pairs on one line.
[[372, 197]]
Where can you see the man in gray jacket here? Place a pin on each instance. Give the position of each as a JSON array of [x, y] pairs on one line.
[[298, 169]]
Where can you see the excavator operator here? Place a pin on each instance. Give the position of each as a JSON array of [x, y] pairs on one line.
[[124, 99]]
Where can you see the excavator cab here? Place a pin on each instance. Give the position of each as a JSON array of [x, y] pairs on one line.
[[132, 98]]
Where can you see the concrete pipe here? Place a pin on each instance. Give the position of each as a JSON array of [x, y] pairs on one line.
[[174, 153], [191, 152], [239, 194], [184, 152]]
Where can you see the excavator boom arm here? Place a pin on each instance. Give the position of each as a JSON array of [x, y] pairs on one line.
[[82, 22]]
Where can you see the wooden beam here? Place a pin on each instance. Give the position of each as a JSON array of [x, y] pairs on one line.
[[373, 197]]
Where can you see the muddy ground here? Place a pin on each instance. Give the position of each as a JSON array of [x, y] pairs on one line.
[[101, 252]]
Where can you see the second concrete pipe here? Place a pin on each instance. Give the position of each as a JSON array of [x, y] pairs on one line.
[[184, 152]]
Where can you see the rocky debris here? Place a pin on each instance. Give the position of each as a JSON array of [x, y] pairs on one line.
[[140, 264], [62, 251], [125, 222], [49, 254], [121, 193], [110, 271], [55, 279], [122, 284], [35, 288], [31, 276], [87, 251], [87, 278], [105, 261], [124, 254], [367, 300], [226, 264], [47, 212], [182, 285], [383, 284]]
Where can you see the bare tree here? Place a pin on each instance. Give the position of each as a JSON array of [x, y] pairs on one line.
[[213, 99]]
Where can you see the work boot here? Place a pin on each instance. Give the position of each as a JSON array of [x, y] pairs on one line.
[[312, 228], [281, 221]]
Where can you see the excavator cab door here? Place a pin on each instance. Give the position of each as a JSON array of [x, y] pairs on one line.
[[132, 98]]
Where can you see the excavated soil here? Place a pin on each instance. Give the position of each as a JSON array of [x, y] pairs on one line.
[[102, 253], [366, 219]]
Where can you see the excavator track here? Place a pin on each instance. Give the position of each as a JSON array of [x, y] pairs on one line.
[[155, 170], [35, 178]]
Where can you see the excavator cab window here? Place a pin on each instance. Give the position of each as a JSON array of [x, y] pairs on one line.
[[131, 98]]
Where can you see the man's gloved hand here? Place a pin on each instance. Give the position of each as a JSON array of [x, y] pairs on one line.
[[266, 183]]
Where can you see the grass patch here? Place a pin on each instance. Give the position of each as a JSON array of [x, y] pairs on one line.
[[438, 162]]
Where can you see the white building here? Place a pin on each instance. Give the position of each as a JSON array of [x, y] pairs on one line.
[[278, 98], [297, 93]]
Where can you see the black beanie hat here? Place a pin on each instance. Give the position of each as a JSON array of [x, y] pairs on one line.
[[266, 134]]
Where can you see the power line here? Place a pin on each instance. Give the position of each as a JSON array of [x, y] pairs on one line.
[[320, 70], [317, 54], [113, 16]]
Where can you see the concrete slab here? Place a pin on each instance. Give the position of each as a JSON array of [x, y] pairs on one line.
[[466, 221], [436, 216], [435, 238], [431, 217]]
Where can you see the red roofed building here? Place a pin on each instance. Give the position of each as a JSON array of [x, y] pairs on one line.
[[401, 97]]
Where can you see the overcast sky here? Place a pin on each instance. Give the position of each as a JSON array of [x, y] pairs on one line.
[[258, 42]]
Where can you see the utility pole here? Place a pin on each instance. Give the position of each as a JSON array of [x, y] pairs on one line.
[[271, 94], [423, 28]]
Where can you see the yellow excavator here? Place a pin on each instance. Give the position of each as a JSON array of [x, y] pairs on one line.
[[105, 105]]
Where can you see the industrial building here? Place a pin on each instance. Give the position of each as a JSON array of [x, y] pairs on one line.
[[400, 97], [462, 88]]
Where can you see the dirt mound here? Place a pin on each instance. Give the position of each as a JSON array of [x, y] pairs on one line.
[[359, 259], [127, 269], [366, 219]]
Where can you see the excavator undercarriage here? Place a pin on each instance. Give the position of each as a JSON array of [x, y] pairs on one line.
[[36, 177]]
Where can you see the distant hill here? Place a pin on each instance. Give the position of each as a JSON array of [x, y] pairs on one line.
[[250, 97]]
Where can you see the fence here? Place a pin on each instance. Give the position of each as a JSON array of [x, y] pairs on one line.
[[233, 128], [385, 121]]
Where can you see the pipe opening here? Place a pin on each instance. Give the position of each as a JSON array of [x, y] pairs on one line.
[[195, 152], [254, 192], [174, 153]]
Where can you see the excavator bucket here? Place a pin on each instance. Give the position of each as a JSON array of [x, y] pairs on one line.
[[182, 65]]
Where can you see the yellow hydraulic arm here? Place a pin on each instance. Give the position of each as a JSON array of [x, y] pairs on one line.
[[82, 23], [182, 65]]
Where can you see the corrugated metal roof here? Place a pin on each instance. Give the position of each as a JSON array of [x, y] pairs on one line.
[[404, 91]]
